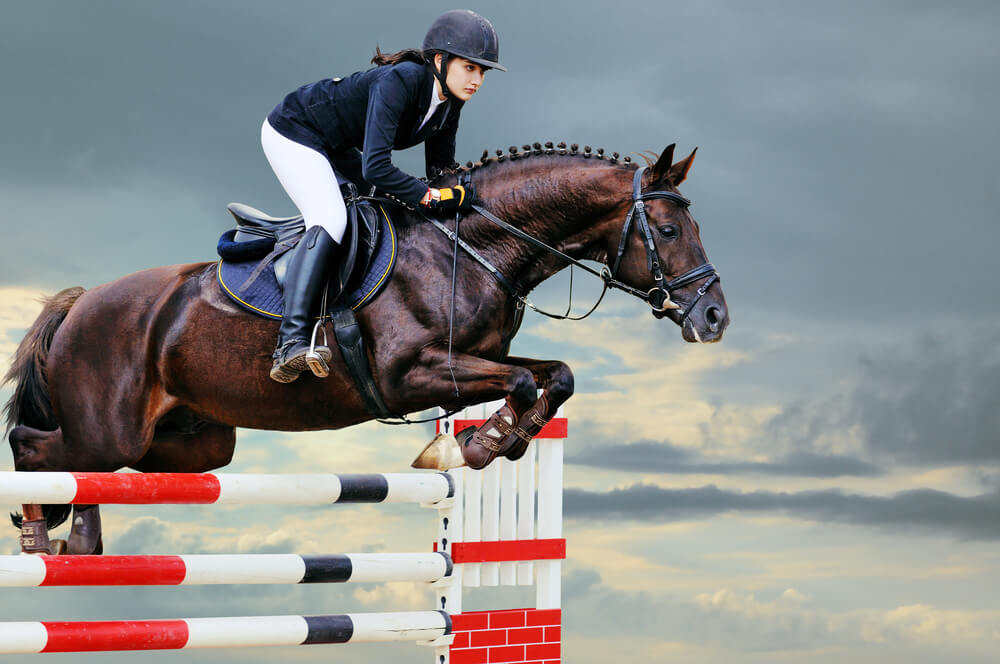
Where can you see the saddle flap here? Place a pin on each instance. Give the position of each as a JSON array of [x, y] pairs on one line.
[[358, 244]]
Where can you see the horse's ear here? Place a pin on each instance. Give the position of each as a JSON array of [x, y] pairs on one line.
[[679, 171], [661, 169]]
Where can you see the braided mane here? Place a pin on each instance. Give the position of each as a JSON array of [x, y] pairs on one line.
[[535, 149]]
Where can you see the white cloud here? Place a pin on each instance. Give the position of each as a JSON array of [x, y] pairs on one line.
[[18, 309], [656, 391]]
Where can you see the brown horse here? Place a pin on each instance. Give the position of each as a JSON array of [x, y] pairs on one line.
[[155, 370]]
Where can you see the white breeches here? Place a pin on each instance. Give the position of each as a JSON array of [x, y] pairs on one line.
[[309, 180]]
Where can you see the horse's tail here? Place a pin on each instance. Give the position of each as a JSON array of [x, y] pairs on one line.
[[30, 405]]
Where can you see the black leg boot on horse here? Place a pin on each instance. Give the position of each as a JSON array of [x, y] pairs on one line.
[[308, 274]]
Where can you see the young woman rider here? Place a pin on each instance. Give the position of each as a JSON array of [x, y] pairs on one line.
[[335, 131]]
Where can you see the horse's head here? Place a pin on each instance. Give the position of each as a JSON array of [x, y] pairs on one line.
[[634, 220], [657, 249]]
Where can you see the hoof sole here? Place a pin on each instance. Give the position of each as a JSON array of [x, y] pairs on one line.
[[442, 453]]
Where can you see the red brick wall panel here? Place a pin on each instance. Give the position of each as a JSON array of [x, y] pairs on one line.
[[508, 636]]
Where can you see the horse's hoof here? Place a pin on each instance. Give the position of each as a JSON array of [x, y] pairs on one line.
[[442, 453], [57, 547]]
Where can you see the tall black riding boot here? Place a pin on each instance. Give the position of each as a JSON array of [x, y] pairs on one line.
[[308, 271]]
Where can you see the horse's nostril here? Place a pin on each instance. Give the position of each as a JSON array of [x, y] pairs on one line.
[[713, 316]]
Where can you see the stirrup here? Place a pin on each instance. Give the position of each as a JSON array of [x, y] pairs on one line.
[[316, 363]]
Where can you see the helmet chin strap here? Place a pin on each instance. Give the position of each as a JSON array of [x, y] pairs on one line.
[[442, 74]]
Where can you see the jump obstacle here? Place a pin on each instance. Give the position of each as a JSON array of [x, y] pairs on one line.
[[488, 535]]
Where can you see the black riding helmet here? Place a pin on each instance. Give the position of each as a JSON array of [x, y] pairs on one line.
[[465, 34]]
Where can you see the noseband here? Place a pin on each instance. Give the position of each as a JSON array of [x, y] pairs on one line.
[[658, 297]]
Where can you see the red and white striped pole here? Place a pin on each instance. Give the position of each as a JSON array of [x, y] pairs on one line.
[[114, 635], [189, 570], [221, 488]]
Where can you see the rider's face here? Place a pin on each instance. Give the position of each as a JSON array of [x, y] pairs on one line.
[[464, 78]]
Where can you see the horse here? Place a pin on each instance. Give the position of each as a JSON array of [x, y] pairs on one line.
[[154, 371]]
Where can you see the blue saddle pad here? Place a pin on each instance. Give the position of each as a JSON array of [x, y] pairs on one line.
[[264, 296]]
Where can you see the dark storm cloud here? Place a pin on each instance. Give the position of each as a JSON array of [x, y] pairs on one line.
[[653, 457], [930, 403], [922, 510]]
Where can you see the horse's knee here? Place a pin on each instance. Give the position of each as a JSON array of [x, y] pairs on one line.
[[560, 385], [521, 385]]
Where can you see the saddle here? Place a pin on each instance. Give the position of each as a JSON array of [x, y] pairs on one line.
[[259, 235]]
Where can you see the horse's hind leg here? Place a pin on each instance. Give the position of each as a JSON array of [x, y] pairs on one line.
[[35, 450], [85, 534], [210, 447]]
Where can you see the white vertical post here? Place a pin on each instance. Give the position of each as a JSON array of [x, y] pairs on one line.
[[473, 508], [508, 516], [450, 526], [491, 505], [550, 480], [526, 508]]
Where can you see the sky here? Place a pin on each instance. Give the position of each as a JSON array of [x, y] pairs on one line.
[[823, 484]]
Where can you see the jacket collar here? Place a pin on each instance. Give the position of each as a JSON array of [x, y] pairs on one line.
[[424, 103]]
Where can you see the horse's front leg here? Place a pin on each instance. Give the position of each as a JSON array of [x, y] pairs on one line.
[[478, 380], [556, 381]]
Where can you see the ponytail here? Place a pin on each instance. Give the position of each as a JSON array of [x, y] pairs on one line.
[[406, 55]]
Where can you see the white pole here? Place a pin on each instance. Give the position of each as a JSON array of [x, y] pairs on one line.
[[550, 480], [508, 516], [526, 508]]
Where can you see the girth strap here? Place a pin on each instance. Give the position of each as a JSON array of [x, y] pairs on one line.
[[352, 347]]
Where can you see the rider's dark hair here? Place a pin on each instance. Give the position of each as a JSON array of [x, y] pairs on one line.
[[407, 54]]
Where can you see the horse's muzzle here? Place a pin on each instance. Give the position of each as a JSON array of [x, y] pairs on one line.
[[706, 324]]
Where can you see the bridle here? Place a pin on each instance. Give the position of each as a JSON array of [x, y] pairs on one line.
[[658, 297]]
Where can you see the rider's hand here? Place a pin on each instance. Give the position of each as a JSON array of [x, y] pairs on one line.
[[450, 199]]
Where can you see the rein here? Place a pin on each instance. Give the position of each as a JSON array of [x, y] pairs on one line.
[[658, 297]]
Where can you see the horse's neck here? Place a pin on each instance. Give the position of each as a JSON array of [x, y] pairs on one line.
[[561, 205]]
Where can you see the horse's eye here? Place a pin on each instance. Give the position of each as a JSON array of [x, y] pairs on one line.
[[669, 232]]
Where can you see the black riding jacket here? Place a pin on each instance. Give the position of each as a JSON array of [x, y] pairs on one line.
[[374, 112]]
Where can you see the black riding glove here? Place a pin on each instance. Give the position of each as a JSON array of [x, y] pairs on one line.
[[451, 199]]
